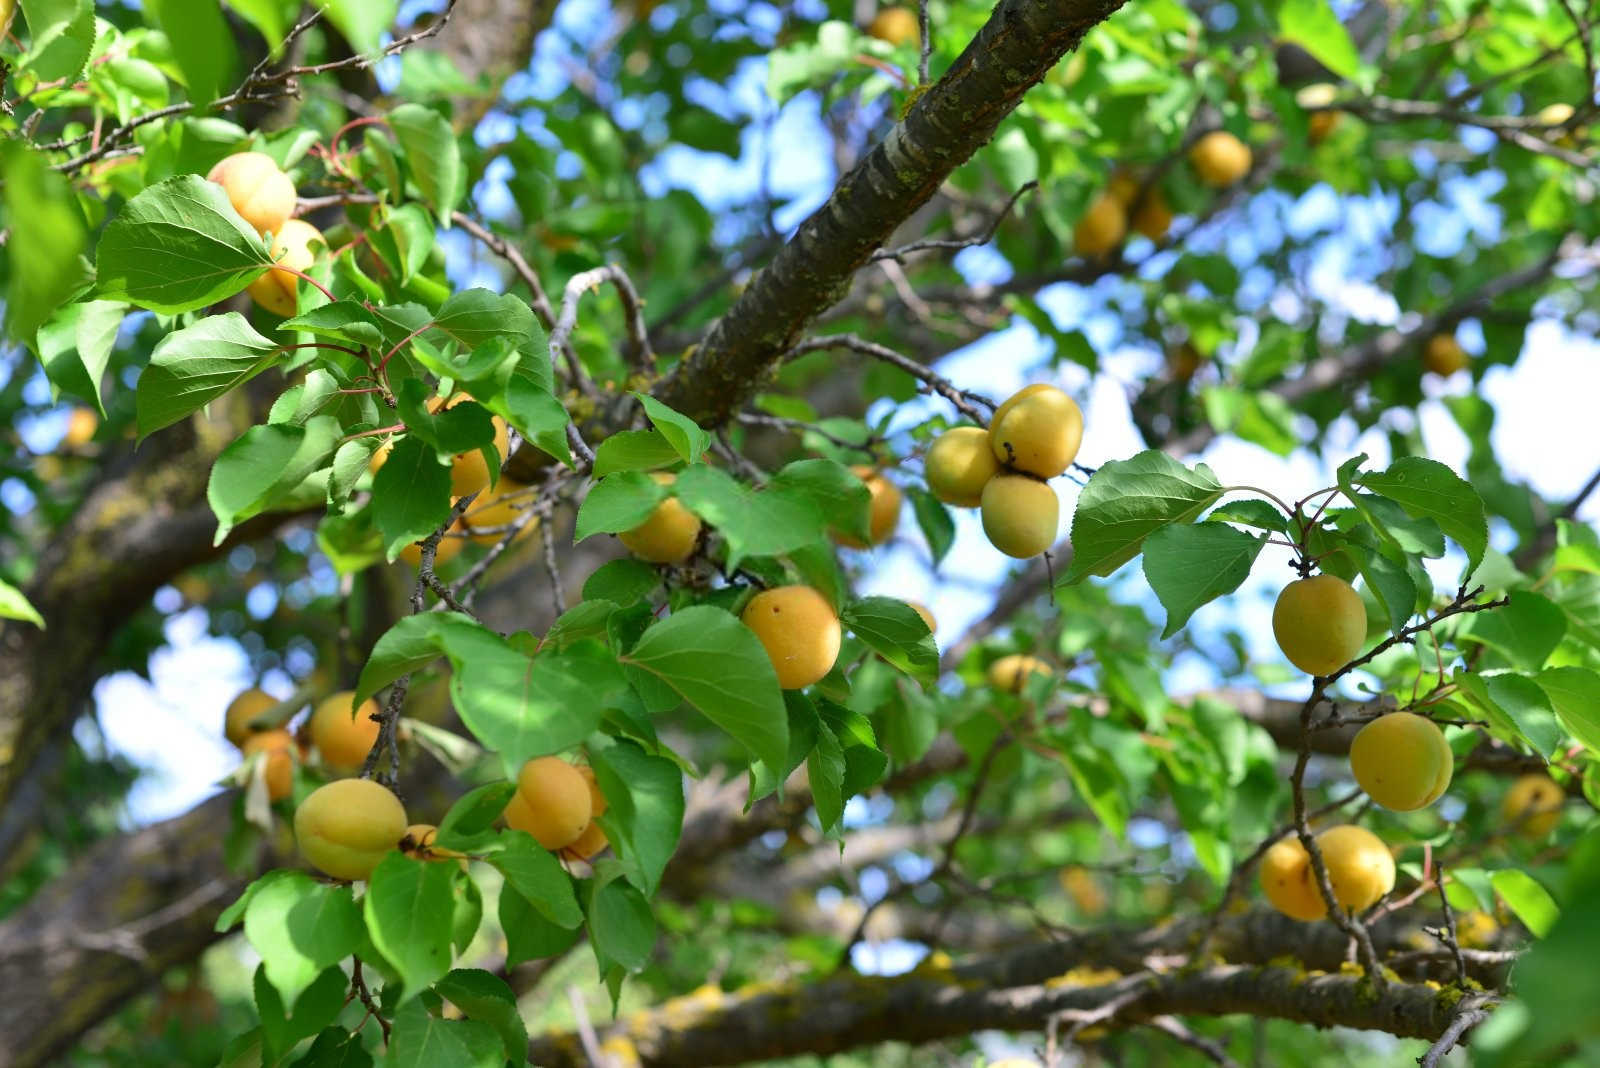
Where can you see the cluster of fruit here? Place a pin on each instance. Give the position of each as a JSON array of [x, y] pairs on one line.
[[264, 197], [1219, 160], [341, 741]]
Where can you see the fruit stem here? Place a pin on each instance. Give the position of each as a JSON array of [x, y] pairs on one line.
[[302, 275], [1269, 495]]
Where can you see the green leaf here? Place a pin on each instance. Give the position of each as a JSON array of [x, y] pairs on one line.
[[645, 813], [622, 582], [937, 524], [621, 924], [176, 247], [459, 428], [62, 36], [408, 910], [529, 935], [334, 1048], [1251, 512], [633, 450], [825, 767], [1128, 500], [314, 1009], [265, 463], [473, 816], [477, 316], [1529, 708], [422, 1040], [485, 997], [1527, 630], [271, 18], [1390, 584], [720, 667], [895, 632], [343, 321], [1312, 25], [412, 643], [1575, 693], [768, 522], [300, 927], [47, 236], [361, 22], [617, 503], [528, 405], [201, 44], [1188, 565], [834, 489], [75, 348], [685, 436], [192, 367], [1428, 489], [13, 605], [410, 495], [432, 154], [1524, 896], [535, 873]]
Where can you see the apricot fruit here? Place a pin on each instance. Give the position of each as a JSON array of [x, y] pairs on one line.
[[799, 630], [1402, 761], [958, 466], [1124, 187], [469, 471], [1010, 673], [346, 827], [1152, 217], [1320, 623], [278, 745], [261, 193], [344, 740], [669, 535], [241, 711], [593, 839], [1020, 515], [1038, 430], [81, 425], [927, 617], [552, 802], [883, 509], [1289, 883], [1101, 229], [1320, 126], [896, 26], [418, 839], [1360, 867], [497, 508], [278, 291], [1533, 805], [1443, 355], [1220, 159]]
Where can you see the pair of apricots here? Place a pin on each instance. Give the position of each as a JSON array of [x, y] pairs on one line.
[[341, 737], [264, 197], [1218, 158]]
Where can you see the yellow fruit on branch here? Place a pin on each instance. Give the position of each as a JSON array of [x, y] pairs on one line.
[[958, 466], [261, 193], [593, 838], [1402, 761], [1101, 229], [1153, 218], [799, 630], [1320, 125], [1320, 623], [278, 291], [1124, 187], [895, 25], [343, 739], [241, 711], [496, 509], [1011, 673], [1220, 159], [1020, 515], [278, 747], [1360, 868], [669, 535], [81, 425], [1443, 355], [1532, 807], [883, 509], [1289, 883], [346, 827], [552, 802], [1037, 430]]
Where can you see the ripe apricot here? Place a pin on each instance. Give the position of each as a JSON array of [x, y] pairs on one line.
[[1124, 187], [1288, 882], [1360, 866], [896, 25], [1010, 673], [1320, 623], [593, 839], [1152, 218], [278, 291], [244, 708], [799, 630], [1020, 515], [469, 471], [1443, 355], [669, 535], [418, 839], [497, 508], [278, 745], [958, 466], [1037, 430], [1220, 159], [1532, 807], [1103, 226], [883, 508], [346, 827], [344, 740], [552, 802], [927, 617], [261, 193], [1320, 125], [1402, 761], [81, 425]]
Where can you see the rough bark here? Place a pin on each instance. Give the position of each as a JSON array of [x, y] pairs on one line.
[[1019, 44]]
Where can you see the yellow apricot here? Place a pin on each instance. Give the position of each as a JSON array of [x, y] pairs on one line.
[[958, 466], [1103, 226], [418, 839], [798, 629], [1320, 623], [1084, 888], [278, 745], [344, 740], [1183, 361], [1020, 515], [497, 508], [896, 25], [1360, 866], [1010, 673], [346, 827], [450, 547], [1038, 430], [469, 471], [1443, 355], [1554, 114], [593, 839], [552, 802], [1288, 882], [1124, 187], [1532, 807], [1220, 159], [1402, 761], [1476, 929], [883, 509], [1320, 125], [1152, 218], [278, 291], [669, 535], [81, 425], [927, 617], [244, 708], [261, 193]]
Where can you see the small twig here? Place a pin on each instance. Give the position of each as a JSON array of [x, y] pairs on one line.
[[1454, 941], [359, 983], [1175, 1028], [1473, 1011], [964, 401], [551, 566], [956, 244], [801, 426], [519, 263]]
